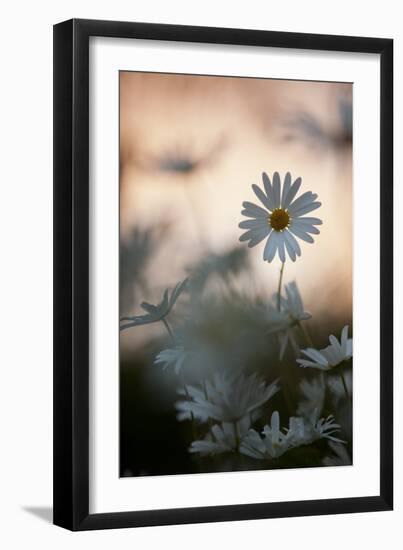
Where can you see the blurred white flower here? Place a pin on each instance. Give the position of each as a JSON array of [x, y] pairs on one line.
[[335, 386], [173, 357], [275, 441], [313, 392], [325, 428], [227, 398], [156, 312], [332, 356], [291, 314], [281, 220], [222, 438]]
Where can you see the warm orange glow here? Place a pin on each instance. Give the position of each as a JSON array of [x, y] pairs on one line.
[[191, 146]]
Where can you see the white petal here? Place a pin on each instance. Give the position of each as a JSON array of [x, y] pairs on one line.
[[281, 251], [290, 249], [315, 355], [301, 201], [271, 247], [262, 197], [275, 426], [311, 221], [305, 227], [255, 235], [286, 188], [276, 189], [254, 211], [335, 343], [343, 340], [268, 187], [292, 192], [253, 224], [308, 208], [300, 233], [292, 241]]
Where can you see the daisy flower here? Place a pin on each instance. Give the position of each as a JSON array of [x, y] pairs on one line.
[[173, 357], [281, 219], [157, 312], [332, 356], [227, 398], [222, 438], [276, 441]]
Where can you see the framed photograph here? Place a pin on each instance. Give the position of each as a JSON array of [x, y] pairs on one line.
[[223, 321]]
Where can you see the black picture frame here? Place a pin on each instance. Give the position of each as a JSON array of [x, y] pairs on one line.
[[71, 273]]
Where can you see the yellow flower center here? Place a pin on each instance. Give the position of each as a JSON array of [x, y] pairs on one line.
[[279, 219]]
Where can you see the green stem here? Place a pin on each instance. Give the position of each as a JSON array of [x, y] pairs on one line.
[[279, 287], [171, 334], [306, 334], [285, 385], [340, 368]]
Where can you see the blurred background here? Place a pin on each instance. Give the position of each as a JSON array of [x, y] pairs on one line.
[[190, 149]]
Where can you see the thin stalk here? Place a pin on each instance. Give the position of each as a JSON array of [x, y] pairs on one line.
[[279, 287], [306, 334], [285, 386], [171, 334], [340, 368]]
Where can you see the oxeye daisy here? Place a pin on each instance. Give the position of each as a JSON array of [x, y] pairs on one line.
[[157, 312], [335, 355], [332, 356], [281, 220], [222, 438], [226, 398], [172, 357]]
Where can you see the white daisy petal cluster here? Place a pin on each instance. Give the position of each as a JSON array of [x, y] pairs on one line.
[[289, 316], [222, 438], [332, 356], [326, 427], [281, 220], [335, 386], [227, 398], [173, 357], [157, 312], [275, 441]]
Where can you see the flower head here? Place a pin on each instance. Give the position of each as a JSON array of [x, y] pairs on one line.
[[332, 356], [157, 312], [227, 398], [280, 221], [222, 438], [173, 357], [275, 441]]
